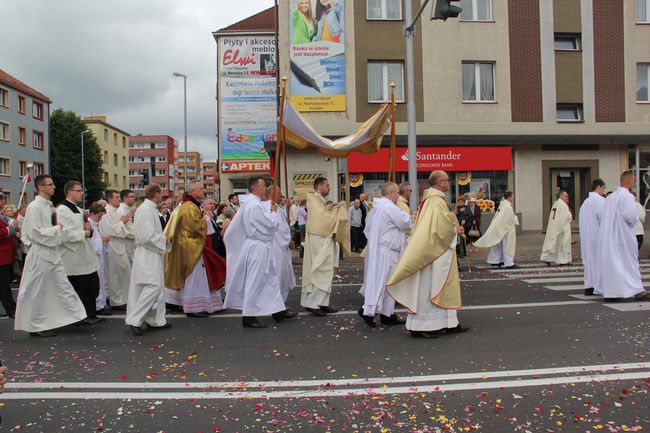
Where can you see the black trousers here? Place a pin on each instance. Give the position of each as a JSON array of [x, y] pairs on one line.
[[7, 299], [639, 240], [356, 238], [87, 287]]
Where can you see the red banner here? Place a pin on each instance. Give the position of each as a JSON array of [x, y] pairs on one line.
[[435, 158]]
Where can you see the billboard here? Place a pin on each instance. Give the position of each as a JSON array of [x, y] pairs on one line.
[[317, 57], [247, 95]]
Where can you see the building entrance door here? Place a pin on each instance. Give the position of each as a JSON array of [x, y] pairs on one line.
[[573, 181]]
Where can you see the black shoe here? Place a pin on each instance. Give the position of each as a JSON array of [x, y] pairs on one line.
[[252, 323], [458, 329], [93, 320], [370, 321], [43, 334], [329, 310], [281, 315], [429, 334], [200, 315], [391, 320], [589, 292], [106, 311], [165, 326], [549, 263], [316, 312], [136, 330], [511, 267], [119, 308]]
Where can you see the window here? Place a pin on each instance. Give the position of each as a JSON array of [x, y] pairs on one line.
[[4, 97], [115, 161], [22, 104], [478, 82], [123, 181], [37, 140], [124, 162], [642, 79], [567, 42], [106, 178], [22, 168], [39, 168], [37, 110], [5, 166], [114, 180], [380, 75], [162, 145], [384, 9], [22, 135], [4, 131], [642, 11], [105, 160], [476, 10], [124, 142], [569, 112], [160, 172], [115, 139], [105, 135], [161, 159], [163, 186]]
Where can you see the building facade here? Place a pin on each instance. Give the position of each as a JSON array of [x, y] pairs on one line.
[[113, 147], [192, 163], [155, 155], [24, 135], [532, 96], [211, 179]]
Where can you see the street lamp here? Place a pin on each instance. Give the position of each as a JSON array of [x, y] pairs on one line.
[[177, 74], [83, 174]]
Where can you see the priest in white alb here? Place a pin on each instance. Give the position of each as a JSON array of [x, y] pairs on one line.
[[557, 242], [146, 292], [280, 247], [386, 225], [618, 255], [501, 235], [589, 221], [328, 227], [46, 299], [426, 279], [127, 207], [251, 278]]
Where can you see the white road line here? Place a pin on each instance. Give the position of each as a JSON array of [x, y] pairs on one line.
[[553, 280], [290, 394], [566, 288], [629, 306], [483, 375]]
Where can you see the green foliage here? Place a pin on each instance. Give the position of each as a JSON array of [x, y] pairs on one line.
[[65, 162]]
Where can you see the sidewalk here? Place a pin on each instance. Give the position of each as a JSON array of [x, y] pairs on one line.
[[529, 248]]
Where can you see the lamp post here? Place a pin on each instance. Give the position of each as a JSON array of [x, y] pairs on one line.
[[83, 171], [177, 74]]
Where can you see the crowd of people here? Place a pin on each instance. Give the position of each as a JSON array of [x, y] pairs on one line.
[[147, 259]]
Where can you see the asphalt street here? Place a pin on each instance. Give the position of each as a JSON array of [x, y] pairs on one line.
[[540, 357]]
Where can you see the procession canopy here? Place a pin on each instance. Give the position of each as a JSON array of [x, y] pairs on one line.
[[300, 134]]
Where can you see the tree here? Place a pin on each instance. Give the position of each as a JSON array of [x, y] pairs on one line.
[[65, 161]]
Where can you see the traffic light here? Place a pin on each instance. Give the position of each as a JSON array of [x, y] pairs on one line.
[[444, 10], [145, 177]]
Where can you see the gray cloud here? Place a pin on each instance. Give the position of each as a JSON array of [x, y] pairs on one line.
[[116, 59]]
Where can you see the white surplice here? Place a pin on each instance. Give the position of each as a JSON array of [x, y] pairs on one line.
[[195, 294], [386, 225], [118, 261], [501, 236], [282, 254], [100, 249], [146, 297], [251, 279], [76, 249], [589, 221], [46, 299], [557, 242], [618, 255], [129, 240]]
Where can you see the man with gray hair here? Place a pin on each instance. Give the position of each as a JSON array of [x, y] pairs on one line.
[[356, 231], [385, 227], [405, 191]]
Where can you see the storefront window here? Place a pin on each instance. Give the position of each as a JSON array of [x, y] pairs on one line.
[[490, 185], [643, 182]]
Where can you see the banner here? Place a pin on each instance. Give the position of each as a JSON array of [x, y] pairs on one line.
[[317, 58], [247, 95], [304, 183]]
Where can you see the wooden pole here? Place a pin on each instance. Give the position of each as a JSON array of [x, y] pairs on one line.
[[392, 176], [276, 177]]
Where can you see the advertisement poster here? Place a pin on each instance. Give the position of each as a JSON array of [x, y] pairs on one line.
[[247, 91], [317, 58], [479, 188], [304, 183]]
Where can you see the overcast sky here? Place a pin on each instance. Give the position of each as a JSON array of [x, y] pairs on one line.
[[116, 58]]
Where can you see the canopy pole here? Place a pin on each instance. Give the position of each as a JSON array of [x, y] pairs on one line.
[[286, 176], [391, 160], [276, 175]]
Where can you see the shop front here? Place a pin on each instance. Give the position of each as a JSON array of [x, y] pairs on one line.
[[483, 172]]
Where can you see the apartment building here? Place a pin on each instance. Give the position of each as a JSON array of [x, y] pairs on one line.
[[190, 163], [211, 179], [24, 135], [112, 142], [153, 157]]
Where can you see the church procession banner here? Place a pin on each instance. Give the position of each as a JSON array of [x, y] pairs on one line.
[[247, 91], [317, 58]]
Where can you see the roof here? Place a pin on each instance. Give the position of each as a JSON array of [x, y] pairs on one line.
[[260, 22], [146, 138], [15, 83], [102, 121]]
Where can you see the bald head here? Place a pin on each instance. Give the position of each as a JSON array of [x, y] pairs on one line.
[[628, 179], [439, 180]]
